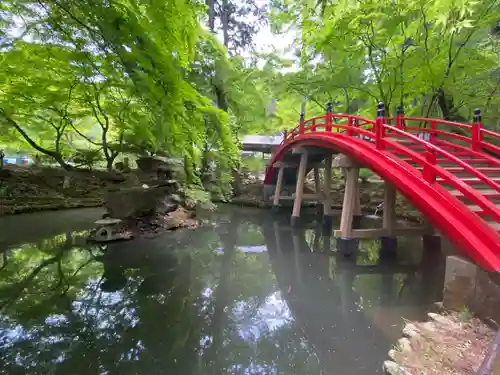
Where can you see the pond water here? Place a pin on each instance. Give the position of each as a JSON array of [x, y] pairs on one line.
[[242, 295]]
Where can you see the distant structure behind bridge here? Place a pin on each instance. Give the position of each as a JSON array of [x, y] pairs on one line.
[[262, 143]]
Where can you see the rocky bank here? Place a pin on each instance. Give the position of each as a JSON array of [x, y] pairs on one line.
[[453, 343]]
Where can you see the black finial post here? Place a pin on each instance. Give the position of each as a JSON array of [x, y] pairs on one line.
[[328, 118], [399, 117], [303, 109], [477, 115], [380, 109]]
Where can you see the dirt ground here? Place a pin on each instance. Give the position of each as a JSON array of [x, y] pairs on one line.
[[452, 344]]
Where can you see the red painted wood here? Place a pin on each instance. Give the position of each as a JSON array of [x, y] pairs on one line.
[[413, 165]]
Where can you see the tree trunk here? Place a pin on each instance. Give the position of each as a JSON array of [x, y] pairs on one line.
[[211, 15], [225, 22], [447, 107], [236, 183], [109, 163]]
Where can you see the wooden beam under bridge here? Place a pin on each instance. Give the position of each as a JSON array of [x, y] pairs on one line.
[[305, 197], [374, 233], [282, 164]]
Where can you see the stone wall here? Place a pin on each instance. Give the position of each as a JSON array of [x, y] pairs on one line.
[[469, 286]]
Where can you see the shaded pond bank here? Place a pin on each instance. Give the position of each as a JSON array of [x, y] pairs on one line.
[[241, 295]]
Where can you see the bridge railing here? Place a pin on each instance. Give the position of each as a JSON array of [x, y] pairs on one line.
[[431, 170], [430, 137], [472, 135]]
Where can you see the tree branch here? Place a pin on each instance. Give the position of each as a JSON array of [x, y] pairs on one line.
[[32, 143], [84, 136]]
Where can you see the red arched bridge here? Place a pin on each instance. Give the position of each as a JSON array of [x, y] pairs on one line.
[[450, 171]]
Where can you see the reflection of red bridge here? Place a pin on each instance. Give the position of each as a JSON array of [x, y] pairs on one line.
[[446, 169]]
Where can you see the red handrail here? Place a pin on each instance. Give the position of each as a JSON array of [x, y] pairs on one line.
[[476, 140], [490, 133]]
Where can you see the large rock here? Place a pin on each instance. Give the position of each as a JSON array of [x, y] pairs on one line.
[[139, 202], [148, 164]]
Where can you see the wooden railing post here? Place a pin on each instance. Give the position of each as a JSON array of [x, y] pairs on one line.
[[379, 126], [476, 130], [355, 124], [350, 125], [328, 120], [432, 133], [428, 173], [400, 114]]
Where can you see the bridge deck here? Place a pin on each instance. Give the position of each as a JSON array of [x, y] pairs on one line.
[[261, 143]]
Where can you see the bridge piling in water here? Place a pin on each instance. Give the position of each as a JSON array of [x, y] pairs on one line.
[[351, 206], [327, 197], [299, 189], [277, 191], [389, 241]]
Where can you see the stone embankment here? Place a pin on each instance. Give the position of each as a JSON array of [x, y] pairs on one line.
[[447, 344], [455, 340], [26, 189]]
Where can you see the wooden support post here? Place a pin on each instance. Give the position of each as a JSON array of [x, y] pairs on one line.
[[351, 184], [346, 245], [317, 186], [277, 191], [389, 241], [356, 219], [327, 187], [389, 218], [299, 189], [357, 202], [431, 242]]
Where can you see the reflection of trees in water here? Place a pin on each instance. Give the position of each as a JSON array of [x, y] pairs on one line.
[[174, 305], [166, 306]]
